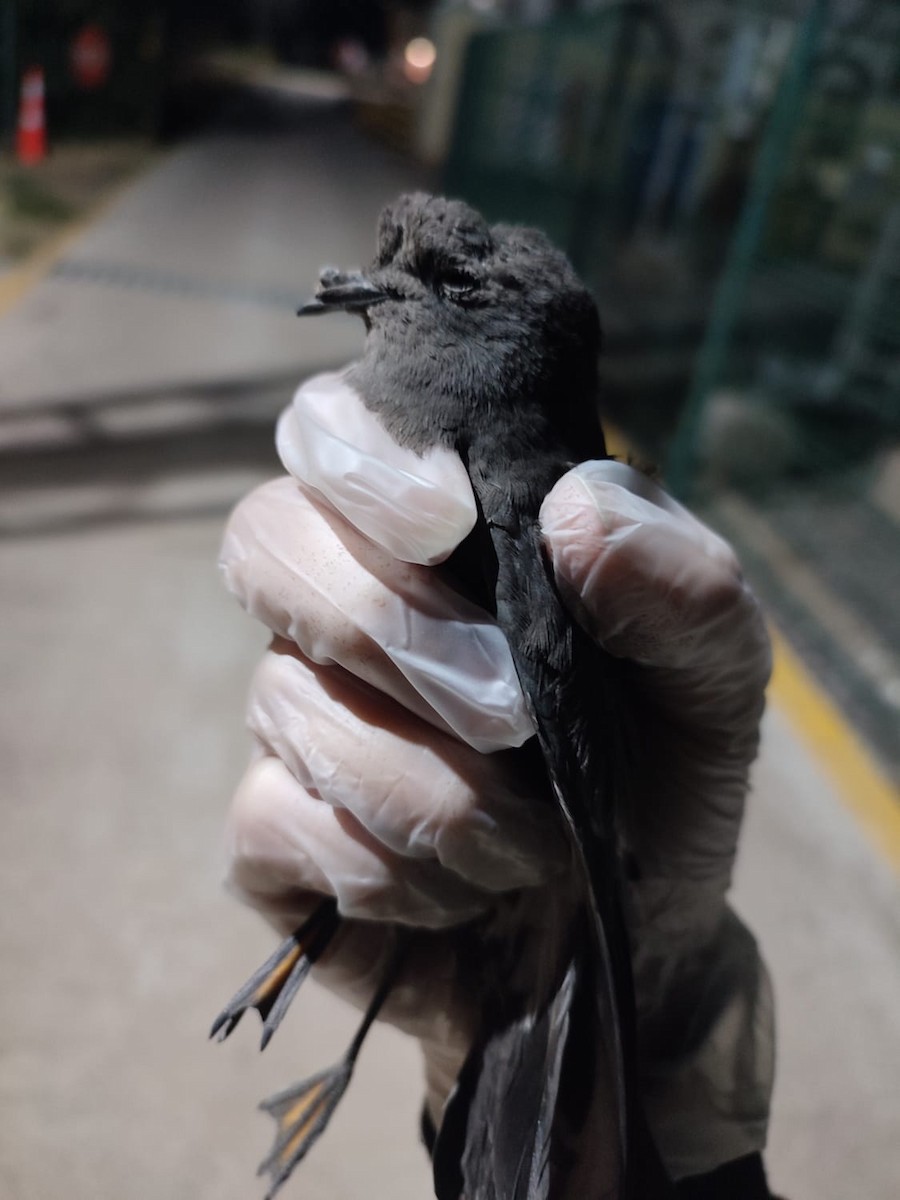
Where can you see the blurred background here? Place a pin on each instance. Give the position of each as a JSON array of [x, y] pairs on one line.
[[726, 176]]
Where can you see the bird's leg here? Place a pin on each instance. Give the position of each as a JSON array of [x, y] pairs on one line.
[[302, 1112], [271, 989]]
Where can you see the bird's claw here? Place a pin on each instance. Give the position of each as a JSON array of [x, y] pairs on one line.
[[302, 1113], [271, 989]]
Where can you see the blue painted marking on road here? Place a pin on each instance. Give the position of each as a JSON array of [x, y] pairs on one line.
[[175, 284]]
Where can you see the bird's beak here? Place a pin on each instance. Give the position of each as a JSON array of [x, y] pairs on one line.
[[342, 291]]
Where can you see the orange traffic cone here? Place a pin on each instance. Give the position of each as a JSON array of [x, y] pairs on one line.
[[31, 136]]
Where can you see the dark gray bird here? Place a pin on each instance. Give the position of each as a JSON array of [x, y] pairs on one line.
[[482, 339]]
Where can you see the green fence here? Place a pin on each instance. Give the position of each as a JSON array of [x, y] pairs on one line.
[[729, 182], [557, 122]]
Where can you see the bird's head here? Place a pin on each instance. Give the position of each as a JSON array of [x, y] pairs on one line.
[[464, 318]]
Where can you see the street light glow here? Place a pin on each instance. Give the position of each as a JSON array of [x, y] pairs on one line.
[[418, 59]]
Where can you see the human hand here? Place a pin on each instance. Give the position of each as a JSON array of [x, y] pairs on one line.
[[373, 707]]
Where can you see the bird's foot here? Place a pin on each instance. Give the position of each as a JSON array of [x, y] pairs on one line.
[[302, 1113], [271, 989]]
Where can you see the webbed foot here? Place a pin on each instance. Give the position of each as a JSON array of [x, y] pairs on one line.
[[302, 1113], [271, 989]]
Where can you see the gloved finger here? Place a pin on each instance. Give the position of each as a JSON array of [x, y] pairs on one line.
[[272, 876], [418, 507], [653, 584], [284, 842], [287, 848], [311, 577], [421, 794]]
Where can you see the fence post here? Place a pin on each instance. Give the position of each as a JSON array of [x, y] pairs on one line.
[[8, 91], [783, 120]]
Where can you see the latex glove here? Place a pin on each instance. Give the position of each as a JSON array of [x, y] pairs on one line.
[[379, 798], [655, 586]]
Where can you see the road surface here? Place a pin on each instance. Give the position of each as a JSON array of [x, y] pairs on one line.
[[125, 666]]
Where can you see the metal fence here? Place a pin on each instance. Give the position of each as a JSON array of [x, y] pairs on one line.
[[727, 177]]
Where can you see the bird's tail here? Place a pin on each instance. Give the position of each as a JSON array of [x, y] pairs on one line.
[[535, 1113], [495, 1140]]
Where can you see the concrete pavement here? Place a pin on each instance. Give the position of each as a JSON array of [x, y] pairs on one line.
[[194, 273], [125, 666]]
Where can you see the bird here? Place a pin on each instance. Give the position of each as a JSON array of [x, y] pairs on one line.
[[482, 339]]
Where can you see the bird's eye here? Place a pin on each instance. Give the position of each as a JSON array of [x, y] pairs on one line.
[[456, 284]]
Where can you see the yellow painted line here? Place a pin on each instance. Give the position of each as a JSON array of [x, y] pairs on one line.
[[865, 790], [616, 443], [862, 786], [15, 284]]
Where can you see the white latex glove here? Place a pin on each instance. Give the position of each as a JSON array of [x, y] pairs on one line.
[[374, 707]]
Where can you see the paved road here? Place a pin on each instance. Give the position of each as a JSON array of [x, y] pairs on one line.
[[125, 667], [194, 275]]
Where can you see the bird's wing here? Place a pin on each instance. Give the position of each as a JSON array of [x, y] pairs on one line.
[[578, 697], [529, 1094], [503, 1106], [576, 706]]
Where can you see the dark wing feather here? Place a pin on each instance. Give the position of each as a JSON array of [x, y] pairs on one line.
[[557, 1022], [546, 1106], [495, 1142], [578, 715], [522, 1103], [578, 700]]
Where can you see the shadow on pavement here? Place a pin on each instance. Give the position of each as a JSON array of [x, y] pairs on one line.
[[154, 455]]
